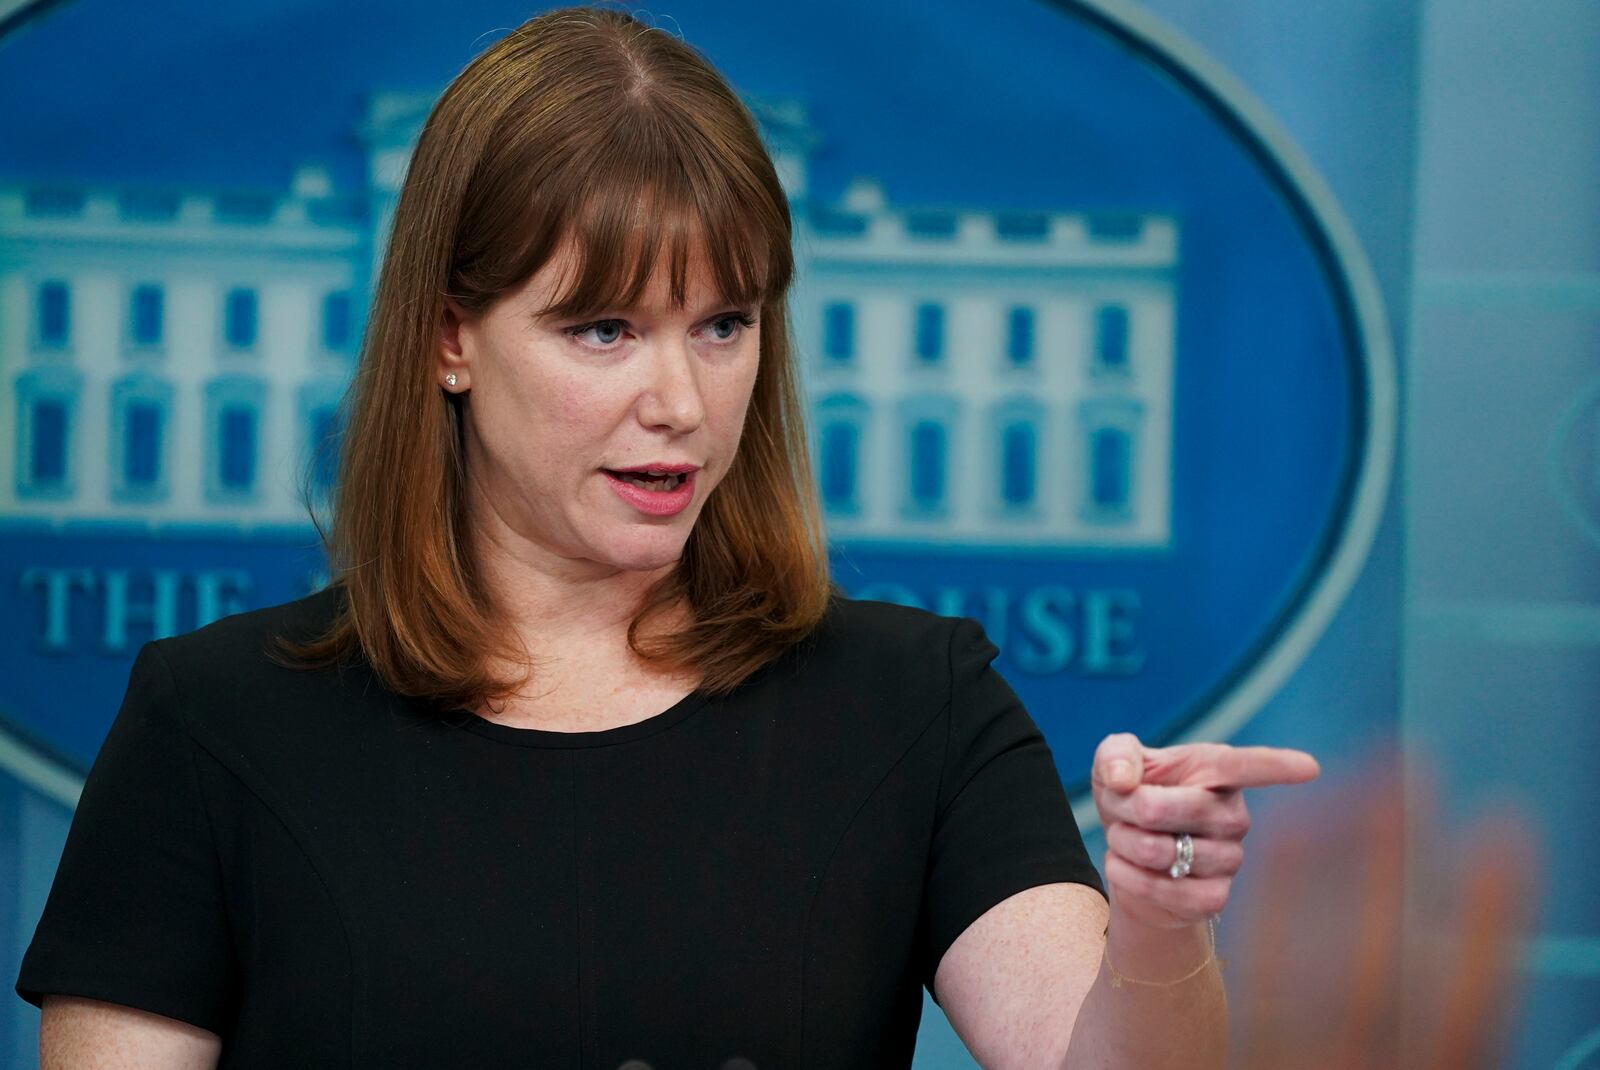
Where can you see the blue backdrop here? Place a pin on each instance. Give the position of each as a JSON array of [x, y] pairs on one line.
[[1093, 351]]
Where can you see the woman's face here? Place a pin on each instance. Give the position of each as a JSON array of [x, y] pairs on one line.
[[555, 408]]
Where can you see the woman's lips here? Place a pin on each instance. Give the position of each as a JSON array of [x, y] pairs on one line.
[[654, 502]]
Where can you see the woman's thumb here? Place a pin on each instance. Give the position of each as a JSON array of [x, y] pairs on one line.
[[1119, 762]]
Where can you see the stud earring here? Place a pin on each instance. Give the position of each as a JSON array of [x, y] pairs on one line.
[[450, 379]]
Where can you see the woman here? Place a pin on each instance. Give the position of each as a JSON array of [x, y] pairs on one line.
[[583, 761]]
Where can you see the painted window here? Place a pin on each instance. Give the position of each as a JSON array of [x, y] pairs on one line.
[[1110, 475], [841, 420], [839, 331], [46, 408], [54, 314], [1111, 338], [239, 318], [54, 202], [930, 332], [148, 313], [1019, 336], [927, 464], [338, 329], [141, 446], [47, 452], [235, 427], [45, 411], [1110, 459], [141, 406], [926, 426], [236, 447], [841, 445], [1018, 446]]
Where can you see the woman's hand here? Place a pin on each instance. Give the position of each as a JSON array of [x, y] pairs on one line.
[[1147, 796]]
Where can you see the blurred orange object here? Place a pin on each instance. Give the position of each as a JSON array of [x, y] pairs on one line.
[[1373, 939]]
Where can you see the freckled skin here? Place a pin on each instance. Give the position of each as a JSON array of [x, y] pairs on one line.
[[87, 1034], [547, 410]]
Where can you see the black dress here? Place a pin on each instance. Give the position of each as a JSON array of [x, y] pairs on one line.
[[325, 873]]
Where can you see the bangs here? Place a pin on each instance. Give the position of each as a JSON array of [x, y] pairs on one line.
[[615, 153], [644, 204]]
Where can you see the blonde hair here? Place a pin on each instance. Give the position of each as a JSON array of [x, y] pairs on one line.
[[581, 125]]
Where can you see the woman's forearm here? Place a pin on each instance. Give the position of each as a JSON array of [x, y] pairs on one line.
[[1174, 818], [1170, 1010]]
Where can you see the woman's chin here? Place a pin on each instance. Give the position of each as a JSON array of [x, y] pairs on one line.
[[649, 555]]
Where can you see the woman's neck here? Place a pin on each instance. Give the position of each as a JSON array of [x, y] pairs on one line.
[[558, 604], [572, 619]]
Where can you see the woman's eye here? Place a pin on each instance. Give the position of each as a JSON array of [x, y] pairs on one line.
[[604, 331], [726, 328]]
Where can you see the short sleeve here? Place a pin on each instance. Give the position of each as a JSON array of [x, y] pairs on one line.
[[135, 915], [1004, 824]]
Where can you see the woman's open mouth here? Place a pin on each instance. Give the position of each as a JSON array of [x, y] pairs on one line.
[[651, 481], [653, 493]]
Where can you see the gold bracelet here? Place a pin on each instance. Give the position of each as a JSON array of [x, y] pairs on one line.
[[1118, 979]]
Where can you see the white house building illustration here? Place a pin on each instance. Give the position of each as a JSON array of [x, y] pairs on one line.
[[173, 355], [975, 379]]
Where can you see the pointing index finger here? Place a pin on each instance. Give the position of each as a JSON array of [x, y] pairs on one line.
[[1217, 765], [1256, 767]]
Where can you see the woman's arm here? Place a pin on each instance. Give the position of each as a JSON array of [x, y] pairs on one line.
[[75, 1033], [1012, 982], [1031, 984], [1025, 987], [1179, 1019]]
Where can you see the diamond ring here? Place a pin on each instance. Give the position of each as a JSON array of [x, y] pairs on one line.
[[1184, 857]]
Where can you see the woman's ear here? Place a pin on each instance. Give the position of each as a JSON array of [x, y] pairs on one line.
[[453, 372]]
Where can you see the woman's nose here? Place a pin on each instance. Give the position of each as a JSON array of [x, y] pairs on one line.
[[672, 398]]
